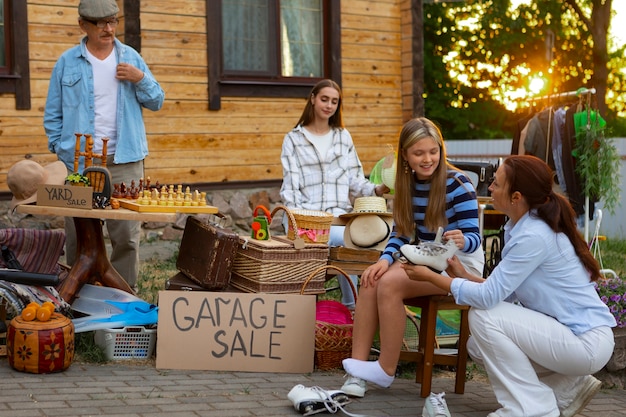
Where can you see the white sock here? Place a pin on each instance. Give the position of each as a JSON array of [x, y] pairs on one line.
[[370, 371]]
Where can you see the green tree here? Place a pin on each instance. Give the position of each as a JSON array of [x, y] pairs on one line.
[[485, 53]]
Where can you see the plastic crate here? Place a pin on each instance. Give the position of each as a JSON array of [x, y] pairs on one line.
[[134, 342]]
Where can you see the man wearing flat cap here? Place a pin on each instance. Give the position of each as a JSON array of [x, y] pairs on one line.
[[100, 87]]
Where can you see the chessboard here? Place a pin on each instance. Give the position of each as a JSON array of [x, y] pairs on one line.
[[144, 208]]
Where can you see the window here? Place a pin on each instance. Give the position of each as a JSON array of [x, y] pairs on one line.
[[271, 48], [14, 71]]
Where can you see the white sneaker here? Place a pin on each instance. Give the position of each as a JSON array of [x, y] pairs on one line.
[[589, 387], [354, 387], [431, 254], [435, 406], [313, 400]]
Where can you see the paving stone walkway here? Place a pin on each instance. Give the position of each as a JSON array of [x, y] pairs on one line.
[[141, 390]]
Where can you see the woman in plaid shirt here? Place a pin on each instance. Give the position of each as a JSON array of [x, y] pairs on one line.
[[321, 169]]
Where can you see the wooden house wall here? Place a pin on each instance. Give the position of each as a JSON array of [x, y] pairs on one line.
[[241, 141]]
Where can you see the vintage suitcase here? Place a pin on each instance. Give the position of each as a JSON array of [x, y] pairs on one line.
[[206, 253], [181, 282]]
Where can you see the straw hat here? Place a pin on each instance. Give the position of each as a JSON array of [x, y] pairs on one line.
[[368, 205], [25, 176], [369, 225]]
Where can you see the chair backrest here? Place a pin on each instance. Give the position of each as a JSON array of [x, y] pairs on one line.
[[100, 179], [480, 173]]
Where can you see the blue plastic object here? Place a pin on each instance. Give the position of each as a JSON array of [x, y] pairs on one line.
[[107, 308]]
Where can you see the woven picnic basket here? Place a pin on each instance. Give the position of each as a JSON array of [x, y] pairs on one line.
[[279, 265], [333, 326], [313, 226]]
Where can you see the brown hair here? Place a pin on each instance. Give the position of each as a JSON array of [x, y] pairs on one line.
[[412, 132], [533, 178], [308, 114]]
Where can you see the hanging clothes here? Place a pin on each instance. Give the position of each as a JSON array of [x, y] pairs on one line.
[[550, 134]]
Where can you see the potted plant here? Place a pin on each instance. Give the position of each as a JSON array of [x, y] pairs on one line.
[[77, 179]]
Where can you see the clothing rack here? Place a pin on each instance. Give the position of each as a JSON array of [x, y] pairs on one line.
[[580, 92], [576, 93]]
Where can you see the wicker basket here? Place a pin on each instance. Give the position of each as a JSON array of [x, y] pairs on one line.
[[278, 265], [312, 226], [333, 327]]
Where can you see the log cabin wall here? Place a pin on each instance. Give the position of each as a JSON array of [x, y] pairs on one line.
[[240, 142]]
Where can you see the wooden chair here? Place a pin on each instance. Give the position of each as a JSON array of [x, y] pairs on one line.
[[427, 355], [354, 261]]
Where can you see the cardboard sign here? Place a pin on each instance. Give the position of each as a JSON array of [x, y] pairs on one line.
[[65, 196], [225, 331]]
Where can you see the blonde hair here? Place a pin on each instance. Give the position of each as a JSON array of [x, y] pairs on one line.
[[412, 132]]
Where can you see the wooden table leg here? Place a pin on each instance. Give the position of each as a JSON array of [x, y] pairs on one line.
[[92, 263]]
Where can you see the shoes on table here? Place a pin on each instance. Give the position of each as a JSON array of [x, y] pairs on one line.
[[354, 387], [435, 406], [313, 400], [588, 388]]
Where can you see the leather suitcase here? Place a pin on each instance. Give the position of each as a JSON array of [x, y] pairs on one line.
[[206, 253], [181, 282]]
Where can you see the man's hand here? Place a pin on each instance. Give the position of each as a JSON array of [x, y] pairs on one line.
[[128, 72]]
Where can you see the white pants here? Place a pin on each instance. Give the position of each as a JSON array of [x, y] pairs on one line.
[[534, 363]]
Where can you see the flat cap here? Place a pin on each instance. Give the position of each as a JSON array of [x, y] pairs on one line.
[[97, 9]]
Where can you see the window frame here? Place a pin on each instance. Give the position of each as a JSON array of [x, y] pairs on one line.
[[16, 79], [250, 86]]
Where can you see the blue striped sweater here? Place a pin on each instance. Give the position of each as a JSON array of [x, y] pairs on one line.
[[461, 211]]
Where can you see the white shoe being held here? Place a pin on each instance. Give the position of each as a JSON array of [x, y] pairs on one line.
[[431, 254], [313, 400], [435, 406]]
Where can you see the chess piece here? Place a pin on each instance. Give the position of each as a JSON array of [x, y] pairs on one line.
[[116, 191], [154, 200]]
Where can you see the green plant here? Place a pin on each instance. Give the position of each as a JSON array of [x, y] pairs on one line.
[[612, 291], [77, 178], [87, 350], [597, 164]]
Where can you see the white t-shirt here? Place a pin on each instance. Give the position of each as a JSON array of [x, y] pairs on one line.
[[105, 100], [321, 142]]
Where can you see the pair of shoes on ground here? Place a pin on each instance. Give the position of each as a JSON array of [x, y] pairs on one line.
[[435, 406], [434, 254], [313, 400]]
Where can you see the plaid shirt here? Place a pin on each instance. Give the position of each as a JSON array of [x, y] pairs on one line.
[[327, 184]]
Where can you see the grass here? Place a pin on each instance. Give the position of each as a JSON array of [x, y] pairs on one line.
[[153, 275], [613, 255]]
